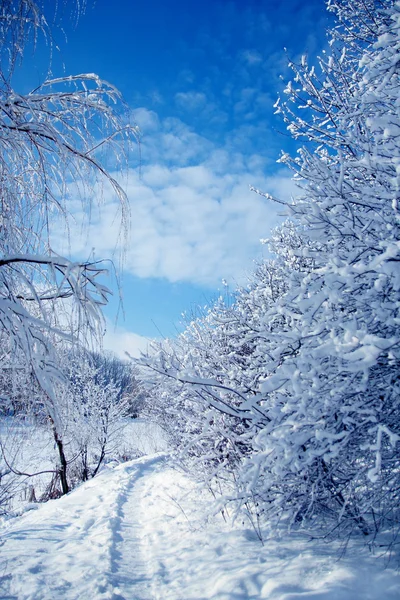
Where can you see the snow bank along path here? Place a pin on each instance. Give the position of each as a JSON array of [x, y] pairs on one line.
[[138, 532]]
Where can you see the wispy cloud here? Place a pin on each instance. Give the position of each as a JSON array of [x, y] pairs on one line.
[[191, 100], [251, 57]]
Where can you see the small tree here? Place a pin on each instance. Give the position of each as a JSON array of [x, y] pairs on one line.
[[92, 410]]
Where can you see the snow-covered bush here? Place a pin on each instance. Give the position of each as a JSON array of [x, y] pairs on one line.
[[333, 391]]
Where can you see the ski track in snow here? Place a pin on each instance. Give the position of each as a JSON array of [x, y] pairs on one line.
[[138, 531]]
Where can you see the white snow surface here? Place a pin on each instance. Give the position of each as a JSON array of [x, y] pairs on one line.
[[138, 531]]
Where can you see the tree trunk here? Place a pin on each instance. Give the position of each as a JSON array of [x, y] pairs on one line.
[[63, 461]]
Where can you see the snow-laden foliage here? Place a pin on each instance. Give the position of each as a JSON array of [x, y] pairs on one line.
[[55, 144], [304, 367]]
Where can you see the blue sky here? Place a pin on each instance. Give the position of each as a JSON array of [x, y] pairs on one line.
[[201, 80]]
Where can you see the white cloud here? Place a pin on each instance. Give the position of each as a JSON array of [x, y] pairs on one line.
[[147, 119], [195, 220], [121, 341]]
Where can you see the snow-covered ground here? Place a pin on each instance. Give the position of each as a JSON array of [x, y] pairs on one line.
[[138, 531]]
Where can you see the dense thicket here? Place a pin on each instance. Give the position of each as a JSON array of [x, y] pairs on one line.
[[291, 394]]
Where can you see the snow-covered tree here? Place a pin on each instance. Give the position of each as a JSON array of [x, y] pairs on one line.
[[309, 358], [123, 375], [54, 143], [92, 410]]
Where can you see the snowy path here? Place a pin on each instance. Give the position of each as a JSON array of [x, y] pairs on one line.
[[86, 545], [138, 532], [130, 575]]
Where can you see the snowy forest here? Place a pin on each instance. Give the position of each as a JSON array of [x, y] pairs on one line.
[[281, 400]]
